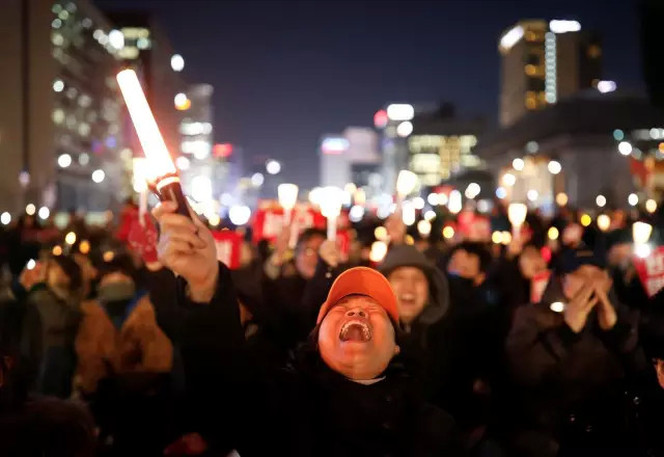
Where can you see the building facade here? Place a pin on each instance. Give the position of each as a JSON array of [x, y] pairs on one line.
[[61, 117], [351, 157], [542, 62]]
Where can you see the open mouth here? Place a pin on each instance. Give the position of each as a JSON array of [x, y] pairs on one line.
[[407, 299], [355, 330]]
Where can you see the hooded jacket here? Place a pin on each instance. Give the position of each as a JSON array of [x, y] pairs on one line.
[[439, 294]]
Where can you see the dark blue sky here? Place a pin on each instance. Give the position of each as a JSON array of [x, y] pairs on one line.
[[286, 72]]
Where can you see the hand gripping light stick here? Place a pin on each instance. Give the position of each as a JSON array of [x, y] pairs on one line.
[[167, 181]]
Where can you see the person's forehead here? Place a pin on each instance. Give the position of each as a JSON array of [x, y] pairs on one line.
[[408, 271], [357, 299]]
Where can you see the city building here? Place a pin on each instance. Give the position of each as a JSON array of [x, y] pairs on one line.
[[61, 122], [442, 144], [591, 150], [543, 62], [351, 157]]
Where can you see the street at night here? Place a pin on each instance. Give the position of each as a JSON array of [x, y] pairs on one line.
[[331, 228]]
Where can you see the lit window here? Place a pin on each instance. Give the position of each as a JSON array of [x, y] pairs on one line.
[[594, 51]]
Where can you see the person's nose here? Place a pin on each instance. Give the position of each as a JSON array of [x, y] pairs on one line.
[[356, 312]]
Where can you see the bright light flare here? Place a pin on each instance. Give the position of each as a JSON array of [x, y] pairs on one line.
[[651, 205], [378, 251], [424, 228], [147, 130], [287, 194], [239, 214], [604, 222], [641, 232], [406, 182], [30, 209], [516, 213]]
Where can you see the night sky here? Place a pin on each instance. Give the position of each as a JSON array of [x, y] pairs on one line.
[[285, 73]]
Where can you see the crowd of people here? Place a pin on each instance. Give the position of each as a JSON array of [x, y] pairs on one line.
[[445, 347]]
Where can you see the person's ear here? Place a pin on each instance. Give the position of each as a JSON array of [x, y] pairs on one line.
[[397, 350]]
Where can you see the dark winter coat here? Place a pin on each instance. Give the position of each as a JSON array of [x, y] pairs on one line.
[[305, 409], [569, 388]]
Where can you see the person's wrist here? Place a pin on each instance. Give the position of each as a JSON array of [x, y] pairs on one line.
[[203, 291]]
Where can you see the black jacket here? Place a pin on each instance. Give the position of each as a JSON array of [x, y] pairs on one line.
[[569, 388], [304, 409]]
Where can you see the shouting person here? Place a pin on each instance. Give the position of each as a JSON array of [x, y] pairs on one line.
[[344, 394]]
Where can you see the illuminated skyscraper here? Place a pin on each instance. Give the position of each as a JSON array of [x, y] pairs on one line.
[[544, 62]]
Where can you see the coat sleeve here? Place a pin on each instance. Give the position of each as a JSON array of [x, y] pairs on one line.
[[315, 292], [536, 348]]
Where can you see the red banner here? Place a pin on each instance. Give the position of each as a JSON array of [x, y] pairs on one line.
[[269, 220], [474, 227], [229, 246], [651, 271]]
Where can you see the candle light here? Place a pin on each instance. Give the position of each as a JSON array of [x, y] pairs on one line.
[[603, 222], [406, 182], [330, 206], [641, 232], [287, 194], [516, 213], [167, 181]]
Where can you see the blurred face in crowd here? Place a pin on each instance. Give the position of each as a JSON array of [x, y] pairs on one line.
[[356, 338], [620, 254], [659, 369], [116, 286], [585, 274], [56, 278], [411, 287], [531, 262], [306, 257], [466, 265]]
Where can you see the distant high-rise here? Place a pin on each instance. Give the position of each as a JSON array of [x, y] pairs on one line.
[[543, 62]]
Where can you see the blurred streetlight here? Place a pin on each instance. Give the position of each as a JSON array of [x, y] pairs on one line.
[[70, 238], [601, 201], [603, 222], [400, 112], [177, 62], [257, 179], [554, 167], [633, 199], [5, 218], [64, 160], [116, 39], [518, 164], [44, 213], [562, 199], [625, 148], [30, 209], [651, 205], [273, 167], [98, 176], [404, 129], [508, 180]]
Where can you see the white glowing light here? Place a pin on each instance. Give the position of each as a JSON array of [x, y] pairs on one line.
[[406, 182], [483, 206], [182, 163], [642, 250], [516, 213], [70, 238], [400, 112], [287, 194], [239, 214], [501, 193], [408, 213], [30, 209], [148, 133], [603, 222], [532, 195], [177, 62], [512, 37], [424, 228], [455, 204], [554, 167], [606, 86], [625, 148], [433, 199], [557, 307], [273, 167], [5, 218], [518, 164], [58, 85], [601, 201], [641, 232], [356, 213], [116, 39], [473, 190], [64, 160], [651, 205], [331, 201], [430, 215], [98, 176], [83, 159], [553, 233], [378, 251], [201, 188], [31, 264], [509, 179], [633, 199], [404, 129], [418, 203], [564, 26], [180, 99], [44, 213], [257, 179]]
